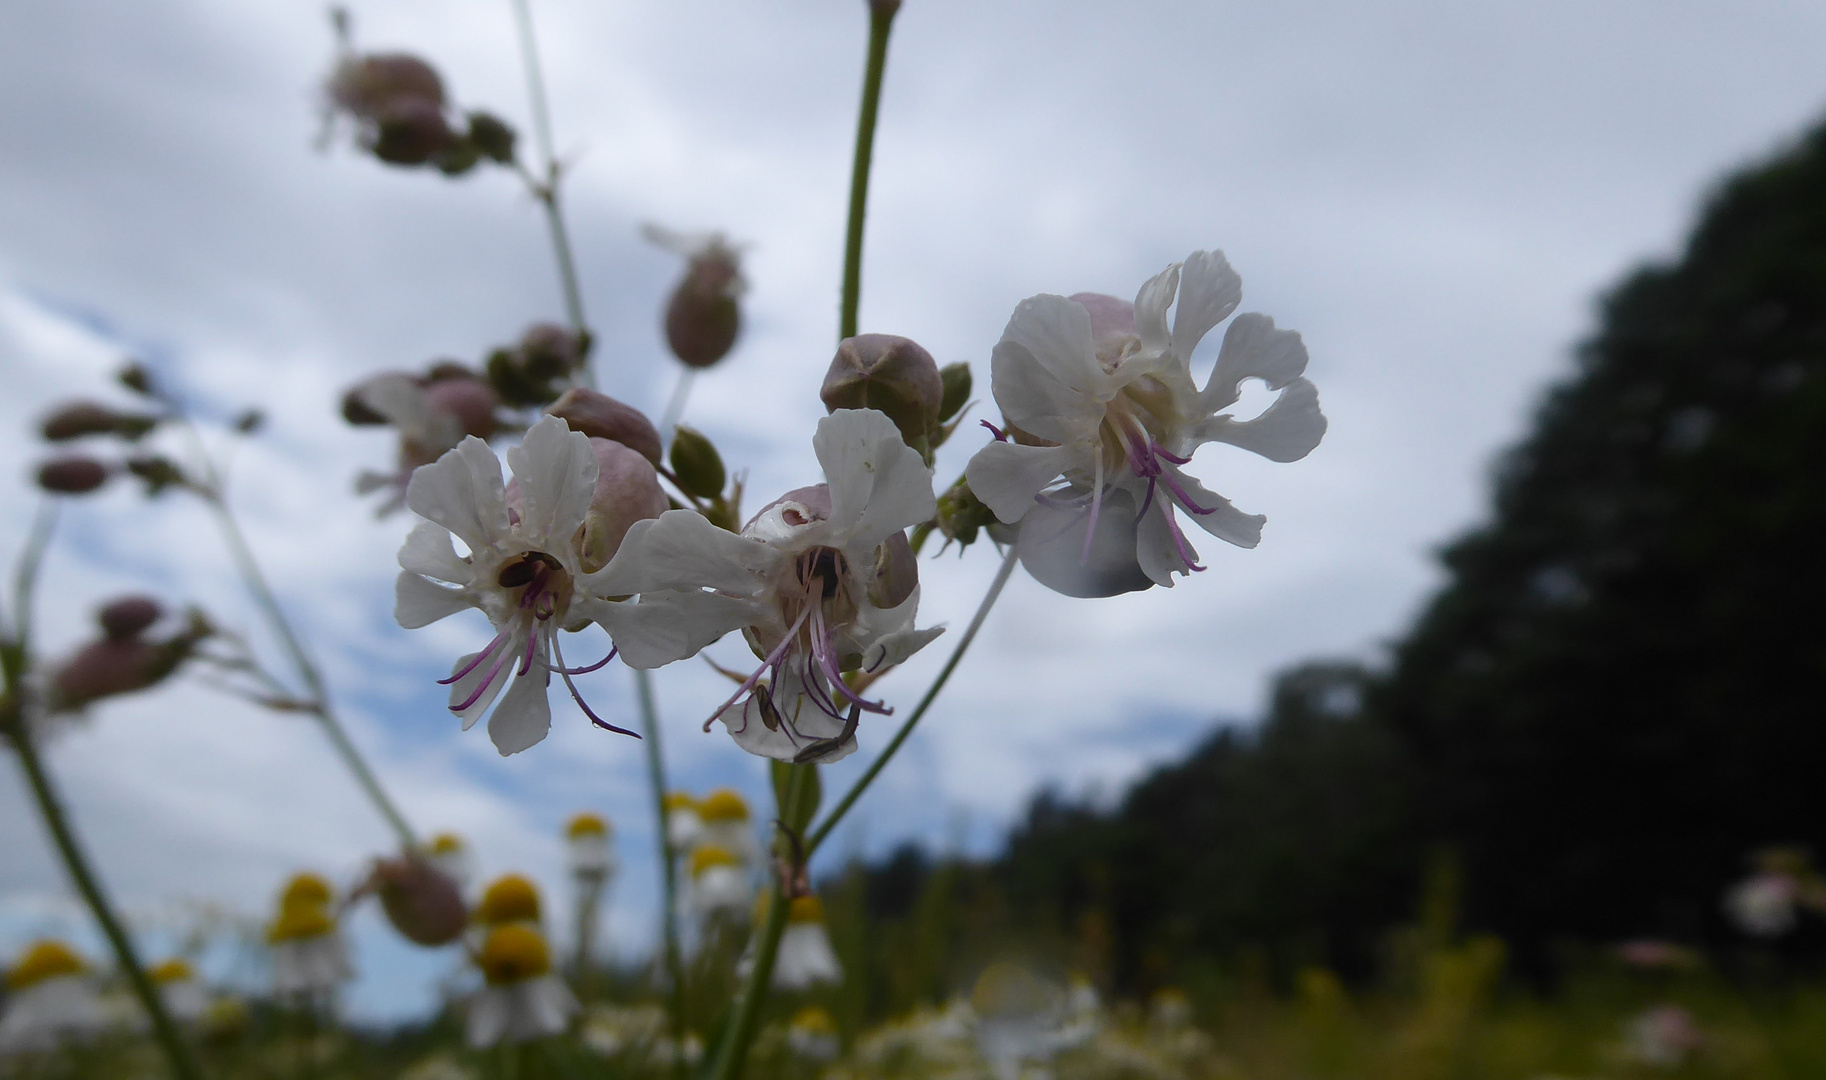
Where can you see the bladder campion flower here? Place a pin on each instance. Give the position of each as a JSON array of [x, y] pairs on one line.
[[522, 998], [530, 545], [1103, 414], [821, 582]]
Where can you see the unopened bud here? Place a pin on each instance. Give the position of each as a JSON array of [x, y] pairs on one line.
[[961, 515], [492, 137], [602, 417], [78, 418], [157, 471], [410, 131], [127, 616], [893, 375], [459, 157], [696, 463], [421, 902], [627, 490], [137, 378], [470, 401], [547, 350], [72, 475], [702, 316], [957, 383], [366, 86]]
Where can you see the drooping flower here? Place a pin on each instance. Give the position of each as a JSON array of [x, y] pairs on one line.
[[725, 822], [1018, 1017], [51, 997], [522, 997], [805, 956], [821, 582], [431, 414], [530, 545], [1763, 905], [1103, 415]]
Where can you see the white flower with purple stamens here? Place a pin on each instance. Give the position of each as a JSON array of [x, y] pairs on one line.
[[530, 545], [821, 583], [1104, 413]]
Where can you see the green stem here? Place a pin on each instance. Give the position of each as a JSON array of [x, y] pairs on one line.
[[308, 672], [881, 760], [546, 190], [881, 21], [732, 1054], [15, 656], [656, 777]]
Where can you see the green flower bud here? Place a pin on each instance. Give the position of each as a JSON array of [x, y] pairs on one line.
[[961, 515], [72, 474], [410, 131], [602, 417], [957, 382], [492, 136], [459, 157], [893, 375], [137, 378], [157, 471], [696, 463]]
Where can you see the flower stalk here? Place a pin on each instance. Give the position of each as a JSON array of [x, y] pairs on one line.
[[881, 22], [15, 659], [668, 876]]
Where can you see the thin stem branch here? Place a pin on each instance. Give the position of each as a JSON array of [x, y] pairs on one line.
[[675, 407], [546, 189], [656, 778], [881, 21], [831, 819], [15, 657]]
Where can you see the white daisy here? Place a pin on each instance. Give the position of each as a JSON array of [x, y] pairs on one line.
[[522, 998], [1104, 413], [51, 997], [805, 957], [592, 855], [821, 582], [530, 545]]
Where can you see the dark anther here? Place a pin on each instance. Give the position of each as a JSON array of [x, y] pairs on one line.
[[765, 699], [826, 564], [522, 570]]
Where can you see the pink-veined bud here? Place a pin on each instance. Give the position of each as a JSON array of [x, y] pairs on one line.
[[421, 902], [602, 417], [72, 474], [627, 490], [365, 86], [469, 400], [128, 616], [123, 665], [893, 375]]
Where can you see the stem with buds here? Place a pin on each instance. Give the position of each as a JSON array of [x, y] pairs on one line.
[[15, 660]]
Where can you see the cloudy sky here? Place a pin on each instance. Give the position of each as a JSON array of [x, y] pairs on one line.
[[1433, 193]]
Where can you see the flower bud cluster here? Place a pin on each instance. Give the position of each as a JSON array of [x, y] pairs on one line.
[[896, 376], [79, 472], [124, 659], [536, 370], [431, 412]]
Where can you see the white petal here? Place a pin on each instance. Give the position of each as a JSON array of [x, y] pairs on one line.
[[524, 716], [681, 549], [886, 636], [895, 648], [488, 1016], [1007, 475], [1209, 291], [1044, 371], [462, 491], [1253, 349], [879, 485], [465, 686], [417, 602], [428, 551], [1287, 430], [550, 1004], [1223, 520], [557, 473], [1156, 552], [801, 723], [1051, 547], [1151, 305], [399, 398], [667, 626]]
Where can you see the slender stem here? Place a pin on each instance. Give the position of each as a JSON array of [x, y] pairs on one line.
[[546, 189], [656, 777], [831, 819], [15, 656], [675, 408], [308, 672], [881, 21], [732, 1054]]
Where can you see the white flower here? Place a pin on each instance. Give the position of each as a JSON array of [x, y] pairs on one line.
[[450, 856], [183, 994], [683, 825], [527, 554], [1105, 413], [53, 998], [311, 965], [523, 999], [1763, 905], [820, 582], [805, 957], [1018, 1017], [719, 883]]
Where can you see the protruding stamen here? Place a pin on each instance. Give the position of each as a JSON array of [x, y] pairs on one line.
[[558, 651], [476, 661], [487, 680], [1000, 435]]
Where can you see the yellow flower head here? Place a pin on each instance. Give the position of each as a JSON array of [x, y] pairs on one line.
[[679, 800], [723, 804], [705, 856], [446, 843], [805, 909], [512, 953], [306, 888], [512, 898], [46, 959], [177, 969], [586, 824], [814, 1020], [299, 920]]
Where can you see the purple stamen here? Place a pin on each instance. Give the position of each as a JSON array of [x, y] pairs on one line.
[[1184, 499], [824, 648], [1000, 435], [1090, 531], [1147, 501], [1186, 555], [598, 665], [477, 661], [773, 660], [487, 681], [1161, 451], [558, 651], [526, 665]]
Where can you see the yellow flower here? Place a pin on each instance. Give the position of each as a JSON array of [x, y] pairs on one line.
[[176, 969], [306, 888], [46, 959], [586, 824], [805, 909], [445, 843], [299, 920], [723, 804], [705, 856], [513, 953], [512, 898]]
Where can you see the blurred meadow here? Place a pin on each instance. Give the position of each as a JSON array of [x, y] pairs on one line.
[[1497, 757]]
